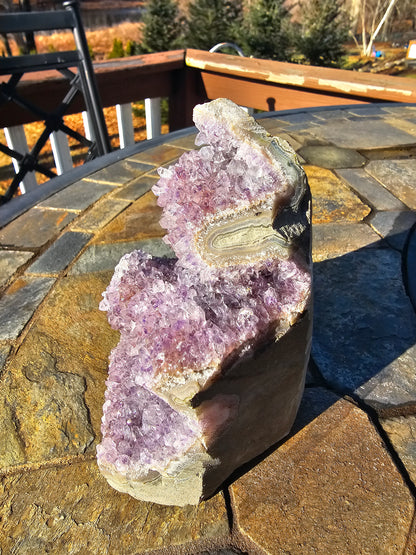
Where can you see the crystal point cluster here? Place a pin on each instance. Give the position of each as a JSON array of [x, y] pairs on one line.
[[218, 337]]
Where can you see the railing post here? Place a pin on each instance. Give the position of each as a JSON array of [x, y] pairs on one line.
[[187, 90], [87, 125], [153, 117], [61, 152], [125, 124], [16, 140]]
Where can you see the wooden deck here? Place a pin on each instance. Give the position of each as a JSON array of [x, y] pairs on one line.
[[191, 76]]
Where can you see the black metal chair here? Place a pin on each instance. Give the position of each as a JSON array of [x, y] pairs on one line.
[[81, 81]]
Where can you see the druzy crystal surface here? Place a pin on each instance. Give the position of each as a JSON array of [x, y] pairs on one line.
[[213, 345]]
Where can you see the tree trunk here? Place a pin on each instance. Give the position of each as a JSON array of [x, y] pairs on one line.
[[367, 51]]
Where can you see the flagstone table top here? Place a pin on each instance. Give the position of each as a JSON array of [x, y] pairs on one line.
[[344, 481]]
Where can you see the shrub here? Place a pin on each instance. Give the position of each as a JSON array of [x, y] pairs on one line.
[[211, 22], [117, 51], [321, 36], [91, 51], [265, 30], [132, 48], [162, 26]]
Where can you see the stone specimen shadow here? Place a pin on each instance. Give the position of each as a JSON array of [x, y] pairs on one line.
[[365, 326]]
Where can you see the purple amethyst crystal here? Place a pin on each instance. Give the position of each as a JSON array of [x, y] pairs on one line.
[[210, 366]]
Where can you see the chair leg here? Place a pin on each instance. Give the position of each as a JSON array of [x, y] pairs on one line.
[[89, 83]]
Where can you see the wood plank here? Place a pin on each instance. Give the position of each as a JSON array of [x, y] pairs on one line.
[[265, 96], [117, 87], [251, 82], [148, 63], [119, 81], [334, 81]]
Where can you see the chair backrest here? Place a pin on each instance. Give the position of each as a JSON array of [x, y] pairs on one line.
[[83, 81]]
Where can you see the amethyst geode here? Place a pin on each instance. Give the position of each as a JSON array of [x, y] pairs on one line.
[[210, 366]]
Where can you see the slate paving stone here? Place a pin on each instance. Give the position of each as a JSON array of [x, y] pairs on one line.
[[332, 201], [369, 110], [394, 226], [136, 188], [393, 388], [47, 223], [139, 221], [221, 552], [369, 118], [119, 173], [401, 431], [331, 114], [301, 126], [10, 261], [370, 189], [361, 135], [100, 214], [54, 386], [72, 510], [4, 353], [392, 153], [409, 266], [332, 157], [158, 155], [77, 197], [271, 123], [336, 239], [407, 125], [400, 110], [330, 488], [303, 118], [315, 401], [20, 302], [187, 142], [49, 405], [60, 253], [105, 256], [365, 327], [304, 137], [398, 176]]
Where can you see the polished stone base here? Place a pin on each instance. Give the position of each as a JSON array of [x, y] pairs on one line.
[[259, 396]]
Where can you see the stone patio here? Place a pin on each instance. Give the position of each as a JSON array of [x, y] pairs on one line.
[[343, 482]]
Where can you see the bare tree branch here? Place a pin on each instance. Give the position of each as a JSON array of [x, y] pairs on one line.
[[374, 33]]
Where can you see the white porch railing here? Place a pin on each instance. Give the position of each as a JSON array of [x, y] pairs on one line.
[[125, 125], [16, 138], [153, 117]]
